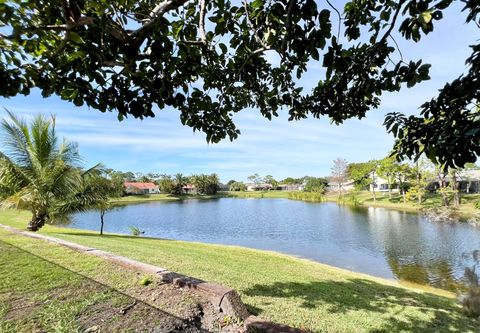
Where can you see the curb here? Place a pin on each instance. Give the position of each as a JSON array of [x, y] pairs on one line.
[[225, 299]]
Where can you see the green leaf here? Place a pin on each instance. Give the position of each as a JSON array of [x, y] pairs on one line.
[[425, 17], [74, 37]]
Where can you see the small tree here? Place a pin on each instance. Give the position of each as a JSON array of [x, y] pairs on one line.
[[166, 184], [179, 182], [455, 187], [443, 189], [270, 180], [387, 169], [423, 174], [237, 186], [104, 189], [339, 173], [403, 173], [40, 173], [206, 184], [364, 175], [317, 185]]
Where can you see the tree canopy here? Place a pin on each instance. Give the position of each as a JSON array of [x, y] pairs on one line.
[[210, 59]]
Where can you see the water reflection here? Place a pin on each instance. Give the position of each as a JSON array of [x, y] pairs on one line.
[[377, 241]]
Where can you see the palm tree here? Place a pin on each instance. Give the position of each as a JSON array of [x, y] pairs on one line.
[[39, 173]]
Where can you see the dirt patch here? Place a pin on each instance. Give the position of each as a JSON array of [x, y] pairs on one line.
[[158, 308], [19, 306]]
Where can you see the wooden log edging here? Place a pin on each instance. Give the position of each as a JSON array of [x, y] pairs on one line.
[[225, 299]]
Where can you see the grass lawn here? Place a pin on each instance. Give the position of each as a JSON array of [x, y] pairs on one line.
[[256, 194], [48, 288], [284, 289], [160, 197]]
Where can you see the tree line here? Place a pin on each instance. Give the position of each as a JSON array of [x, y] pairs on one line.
[[412, 180]]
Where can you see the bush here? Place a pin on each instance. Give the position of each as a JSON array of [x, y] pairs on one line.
[[135, 231], [306, 196], [350, 199]]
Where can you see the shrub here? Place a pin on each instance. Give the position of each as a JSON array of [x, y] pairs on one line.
[[306, 196], [135, 231]]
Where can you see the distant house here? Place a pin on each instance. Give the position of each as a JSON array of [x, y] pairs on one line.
[[141, 188], [468, 181], [291, 187], [258, 187], [381, 185], [189, 189], [223, 187], [333, 186]]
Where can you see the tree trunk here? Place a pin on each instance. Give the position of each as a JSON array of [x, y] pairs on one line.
[[442, 185], [102, 214], [419, 187], [37, 222], [456, 190], [389, 187], [373, 187]]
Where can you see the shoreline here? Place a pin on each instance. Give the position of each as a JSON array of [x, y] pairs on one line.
[[389, 281], [282, 288], [467, 213]]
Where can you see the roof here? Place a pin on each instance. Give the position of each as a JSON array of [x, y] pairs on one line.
[[189, 186], [143, 186]]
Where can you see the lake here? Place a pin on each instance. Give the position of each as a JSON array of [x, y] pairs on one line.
[[386, 243]]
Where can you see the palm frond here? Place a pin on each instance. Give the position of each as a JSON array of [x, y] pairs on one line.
[[16, 139]]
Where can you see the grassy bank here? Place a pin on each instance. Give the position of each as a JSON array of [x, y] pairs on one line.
[[466, 210], [293, 291], [160, 197], [48, 288]]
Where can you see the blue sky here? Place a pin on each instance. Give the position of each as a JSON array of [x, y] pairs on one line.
[[276, 147]]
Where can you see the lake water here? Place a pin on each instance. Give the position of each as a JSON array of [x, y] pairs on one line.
[[376, 241]]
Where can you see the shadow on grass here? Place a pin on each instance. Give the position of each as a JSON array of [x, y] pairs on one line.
[[137, 316], [364, 295], [104, 236]]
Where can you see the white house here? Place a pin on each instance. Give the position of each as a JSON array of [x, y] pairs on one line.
[[258, 187], [381, 184], [349, 185]]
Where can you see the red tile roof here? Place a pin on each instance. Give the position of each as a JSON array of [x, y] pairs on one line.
[[143, 186]]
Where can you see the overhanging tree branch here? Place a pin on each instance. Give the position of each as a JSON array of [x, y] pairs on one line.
[[156, 13]]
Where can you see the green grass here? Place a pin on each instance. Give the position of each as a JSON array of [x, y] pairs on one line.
[[48, 288], [256, 194], [466, 210], [288, 290], [160, 197]]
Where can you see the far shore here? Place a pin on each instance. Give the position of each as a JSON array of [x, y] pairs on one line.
[[466, 211]]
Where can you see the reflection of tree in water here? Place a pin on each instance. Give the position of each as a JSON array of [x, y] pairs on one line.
[[439, 274], [417, 254], [405, 249]]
